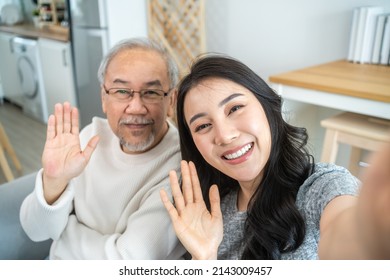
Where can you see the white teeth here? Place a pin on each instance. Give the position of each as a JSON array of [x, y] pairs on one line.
[[239, 153]]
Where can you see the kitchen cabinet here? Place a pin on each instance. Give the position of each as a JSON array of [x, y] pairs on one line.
[[8, 70], [57, 71]]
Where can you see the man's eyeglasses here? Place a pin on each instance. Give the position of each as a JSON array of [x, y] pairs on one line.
[[147, 95]]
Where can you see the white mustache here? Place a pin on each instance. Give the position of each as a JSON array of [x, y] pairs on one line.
[[135, 120]]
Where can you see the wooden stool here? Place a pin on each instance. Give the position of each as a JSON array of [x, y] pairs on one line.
[[5, 146], [359, 131]]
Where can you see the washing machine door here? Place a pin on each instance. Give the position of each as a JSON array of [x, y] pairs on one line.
[[28, 78]]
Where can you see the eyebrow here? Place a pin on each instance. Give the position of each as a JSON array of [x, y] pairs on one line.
[[154, 83], [220, 104], [147, 84], [227, 99]]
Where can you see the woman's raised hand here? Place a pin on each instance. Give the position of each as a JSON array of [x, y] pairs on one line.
[[62, 157], [199, 230]]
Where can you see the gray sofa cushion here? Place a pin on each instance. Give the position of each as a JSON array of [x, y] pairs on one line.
[[14, 243]]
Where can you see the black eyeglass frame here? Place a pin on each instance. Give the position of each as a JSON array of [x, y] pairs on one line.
[[164, 94]]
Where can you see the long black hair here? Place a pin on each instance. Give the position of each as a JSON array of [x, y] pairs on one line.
[[274, 225]]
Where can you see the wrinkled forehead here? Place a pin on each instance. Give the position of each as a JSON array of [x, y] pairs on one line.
[[137, 67]]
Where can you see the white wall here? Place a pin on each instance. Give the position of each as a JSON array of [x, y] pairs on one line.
[[126, 19], [277, 36], [281, 35]]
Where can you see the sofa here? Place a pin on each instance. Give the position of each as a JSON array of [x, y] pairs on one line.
[[14, 243]]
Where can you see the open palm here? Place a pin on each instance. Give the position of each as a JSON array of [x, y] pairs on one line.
[[62, 157], [199, 230]]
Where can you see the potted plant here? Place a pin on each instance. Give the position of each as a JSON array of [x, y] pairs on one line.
[[35, 17]]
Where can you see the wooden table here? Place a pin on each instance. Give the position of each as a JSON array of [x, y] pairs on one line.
[[352, 87]]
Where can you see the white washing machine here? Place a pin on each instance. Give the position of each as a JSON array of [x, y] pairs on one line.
[[30, 76]]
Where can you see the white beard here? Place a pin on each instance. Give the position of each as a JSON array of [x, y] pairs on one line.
[[139, 147]]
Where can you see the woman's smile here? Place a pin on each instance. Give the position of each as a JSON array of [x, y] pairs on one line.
[[243, 151]]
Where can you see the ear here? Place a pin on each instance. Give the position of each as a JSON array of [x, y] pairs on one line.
[[172, 105]]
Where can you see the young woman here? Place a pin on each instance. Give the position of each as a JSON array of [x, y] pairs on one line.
[[249, 187]]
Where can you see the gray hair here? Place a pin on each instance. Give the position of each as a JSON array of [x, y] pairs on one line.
[[145, 44]]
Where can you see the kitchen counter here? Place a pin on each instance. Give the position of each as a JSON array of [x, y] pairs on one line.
[[29, 30], [342, 85]]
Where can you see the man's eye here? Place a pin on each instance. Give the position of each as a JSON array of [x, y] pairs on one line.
[[122, 92], [151, 93]]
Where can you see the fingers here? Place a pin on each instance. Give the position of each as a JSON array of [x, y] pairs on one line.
[[168, 205], [196, 189], [215, 201], [176, 191], [91, 146], [190, 190], [187, 181], [51, 128], [75, 121], [66, 119], [191, 187], [58, 113]]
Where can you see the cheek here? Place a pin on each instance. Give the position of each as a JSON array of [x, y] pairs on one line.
[[108, 109], [264, 137], [158, 112], [261, 126], [203, 146], [113, 113], [261, 131], [199, 143]]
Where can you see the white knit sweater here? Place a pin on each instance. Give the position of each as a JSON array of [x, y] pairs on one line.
[[113, 209]]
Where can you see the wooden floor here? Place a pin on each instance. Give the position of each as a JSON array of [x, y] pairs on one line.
[[27, 137]]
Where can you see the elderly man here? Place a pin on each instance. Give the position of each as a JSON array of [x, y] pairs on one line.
[[97, 195]]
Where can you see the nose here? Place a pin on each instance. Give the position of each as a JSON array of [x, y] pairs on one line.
[[225, 133], [135, 105]]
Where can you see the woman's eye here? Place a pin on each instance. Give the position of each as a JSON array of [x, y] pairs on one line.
[[235, 108], [200, 127]]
